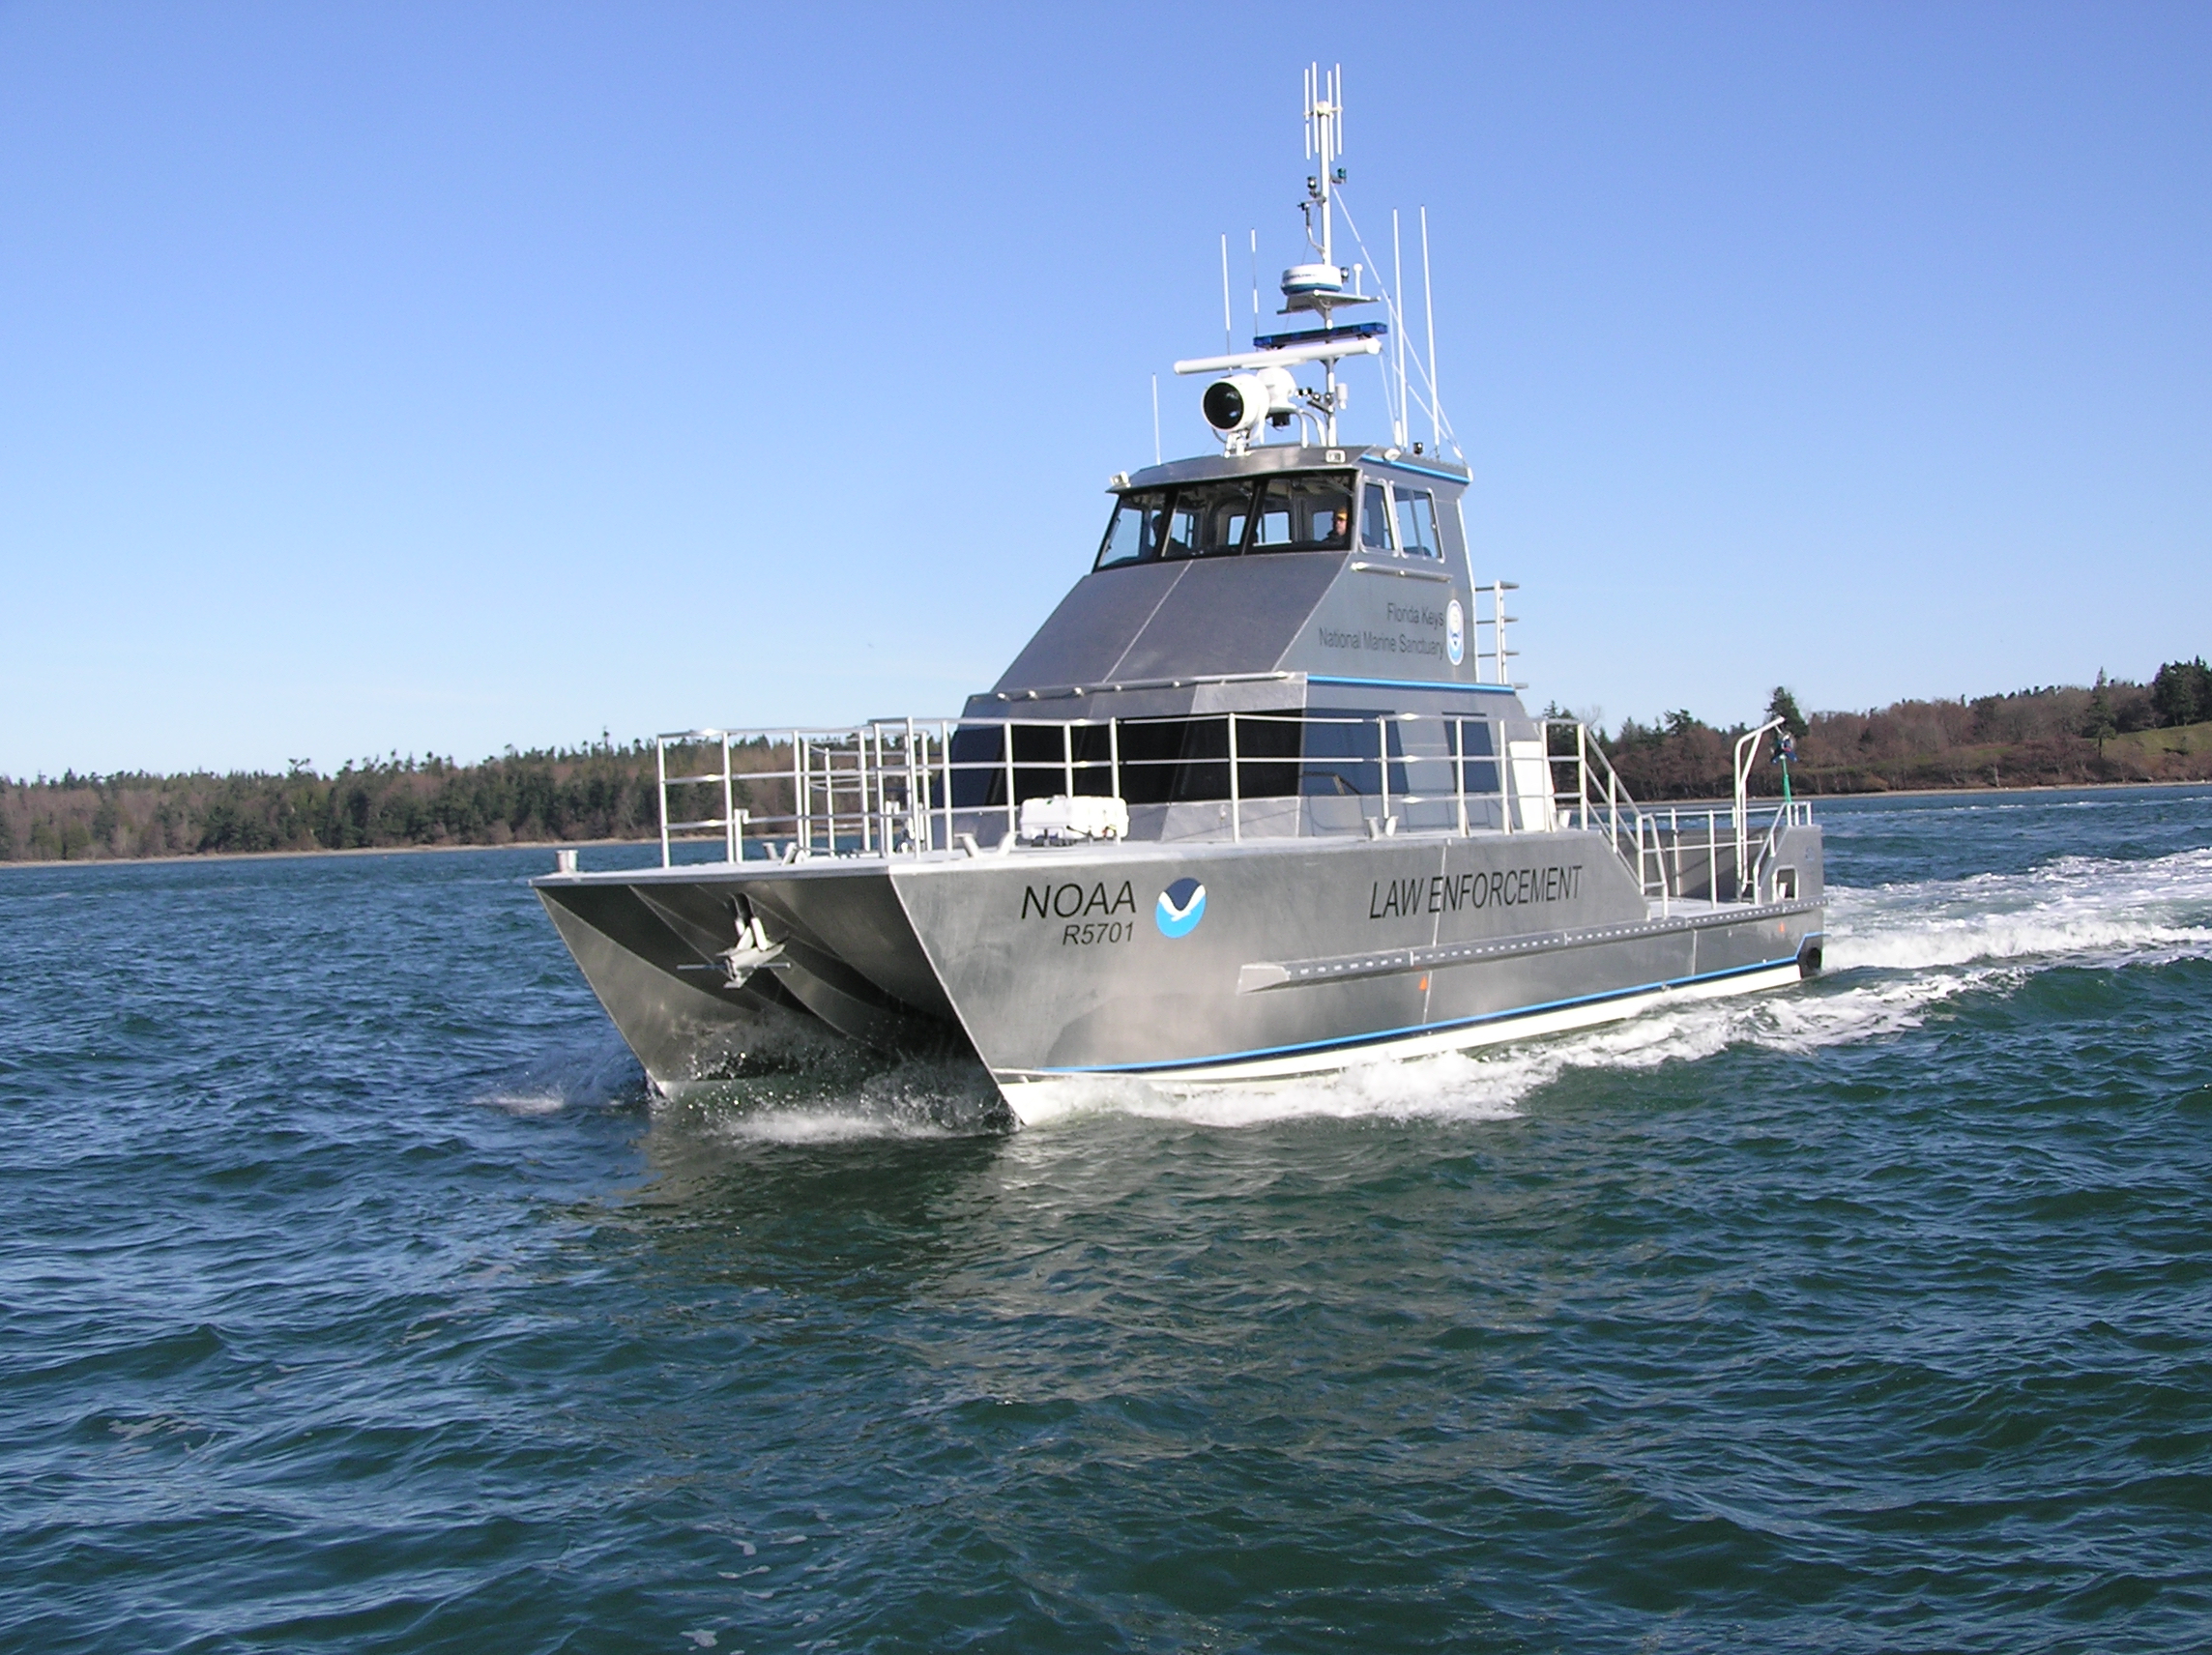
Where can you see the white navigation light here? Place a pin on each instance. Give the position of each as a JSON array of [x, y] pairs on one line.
[[1240, 405]]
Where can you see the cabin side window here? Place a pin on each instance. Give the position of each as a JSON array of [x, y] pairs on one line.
[[1304, 514], [1133, 533], [1416, 522], [1374, 518]]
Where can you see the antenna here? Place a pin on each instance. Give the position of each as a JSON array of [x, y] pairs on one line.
[[1155, 419], [1429, 302], [1255, 288], [1325, 141], [1262, 396], [1398, 307], [1228, 325]]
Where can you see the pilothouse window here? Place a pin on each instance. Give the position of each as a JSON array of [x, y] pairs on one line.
[[1374, 518], [1133, 536], [1416, 522], [1304, 514], [1208, 520], [1300, 513]]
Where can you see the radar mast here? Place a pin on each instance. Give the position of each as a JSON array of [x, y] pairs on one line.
[[1261, 392]]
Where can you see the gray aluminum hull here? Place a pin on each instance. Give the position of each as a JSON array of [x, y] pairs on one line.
[[1057, 967]]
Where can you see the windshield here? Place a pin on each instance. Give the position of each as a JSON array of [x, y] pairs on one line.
[[1304, 514], [1208, 520], [1133, 533], [1302, 511]]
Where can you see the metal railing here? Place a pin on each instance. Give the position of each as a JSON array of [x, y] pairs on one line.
[[904, 787]]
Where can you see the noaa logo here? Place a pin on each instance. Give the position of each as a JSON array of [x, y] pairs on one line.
[[1455, 633], [1179, 909]]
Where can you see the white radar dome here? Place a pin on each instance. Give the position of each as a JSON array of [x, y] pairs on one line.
[[1313, 278]]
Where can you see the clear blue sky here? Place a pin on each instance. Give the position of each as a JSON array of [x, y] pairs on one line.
[[436, 377]]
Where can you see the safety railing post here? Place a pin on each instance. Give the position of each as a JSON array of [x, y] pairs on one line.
[[916, 816], [660, 765], [1067, 757], [1236, 795], [1383, 751], [1114, 755], [945, 757], [875, 737], [729, 804], [801, 794], [865, 803], [1506, 783], [886, 837], [1007, 736], [1582, 775], [1459, 771]]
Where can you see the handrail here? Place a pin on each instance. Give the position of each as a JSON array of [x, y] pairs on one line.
[[1744, 760], [896, 787]]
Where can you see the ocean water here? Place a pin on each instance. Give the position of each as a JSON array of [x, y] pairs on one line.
[[354, 1294]]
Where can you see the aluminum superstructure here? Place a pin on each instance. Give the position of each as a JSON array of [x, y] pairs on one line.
[[1258, 798]]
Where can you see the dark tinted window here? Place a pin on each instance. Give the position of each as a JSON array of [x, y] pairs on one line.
[[1309, 513], [1133, 536], [1208, 520], [1046, 758], [1374, 518], [1174, 761]]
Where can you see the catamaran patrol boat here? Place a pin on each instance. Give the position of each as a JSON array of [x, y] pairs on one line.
[[1259, 799]]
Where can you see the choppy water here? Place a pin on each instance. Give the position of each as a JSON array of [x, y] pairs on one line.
[[353, 1295]]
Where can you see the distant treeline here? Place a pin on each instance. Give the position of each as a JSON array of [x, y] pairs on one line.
[[2112, 731], [603, 792]]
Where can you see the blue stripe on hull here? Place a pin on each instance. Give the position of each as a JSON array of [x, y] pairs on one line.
[[1415, 683]]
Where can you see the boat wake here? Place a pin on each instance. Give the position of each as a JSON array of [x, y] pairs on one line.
[[2083, 911], [1893, 954], [919, 1098]]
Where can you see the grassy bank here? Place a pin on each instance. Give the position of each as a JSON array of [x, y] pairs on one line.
[[2059, 735]]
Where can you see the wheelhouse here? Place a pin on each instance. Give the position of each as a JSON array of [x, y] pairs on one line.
[[1322, 510]]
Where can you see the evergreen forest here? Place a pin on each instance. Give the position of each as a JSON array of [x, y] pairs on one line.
[[2112, 731]]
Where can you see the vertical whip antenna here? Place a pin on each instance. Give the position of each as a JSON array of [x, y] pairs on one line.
[[1255, 288], [1429, 302], [1399, 425], [1324, 142], [1155, 419], [1228, 322]]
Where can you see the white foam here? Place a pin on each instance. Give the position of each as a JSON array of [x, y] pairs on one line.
[[2083, 909], [917, 1099], [526, 1103], [776, 1124], [1893, 954]]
